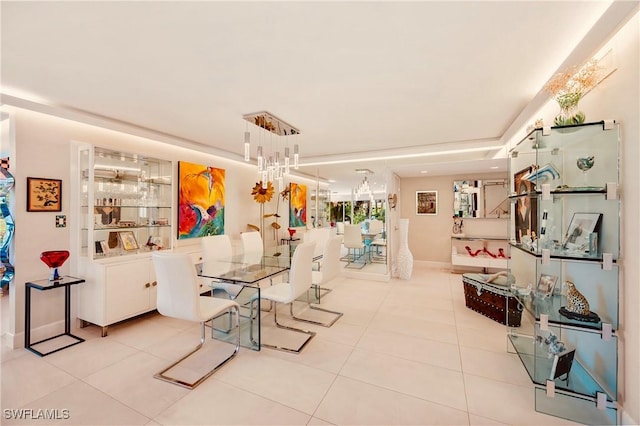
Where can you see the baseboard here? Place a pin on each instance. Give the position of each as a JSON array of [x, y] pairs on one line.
[[626, 419], [39, 333], [12, 341], [434, 265], [360, 275]]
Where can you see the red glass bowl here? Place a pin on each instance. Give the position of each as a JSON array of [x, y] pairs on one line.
[[54, 259]]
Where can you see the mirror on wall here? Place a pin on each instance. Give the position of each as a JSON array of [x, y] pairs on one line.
[[487, 199]]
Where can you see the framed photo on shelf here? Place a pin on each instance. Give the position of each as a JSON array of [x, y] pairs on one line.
[[577, 236], [561, 364], [546, 285], [44, 195], [526, 220], [426, 202], [128, 240]]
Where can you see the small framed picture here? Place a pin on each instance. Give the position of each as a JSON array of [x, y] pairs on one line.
[[562, 363], [105, 247], [128, 240], [426, 202], [44, 195], [582, 225], [546, 284], [526, 207]]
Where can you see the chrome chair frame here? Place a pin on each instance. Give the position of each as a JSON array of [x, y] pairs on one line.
[[184, 272], [299, 283]]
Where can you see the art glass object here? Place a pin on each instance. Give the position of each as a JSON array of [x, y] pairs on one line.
[[6, 184], [54, 260], [585, 164]]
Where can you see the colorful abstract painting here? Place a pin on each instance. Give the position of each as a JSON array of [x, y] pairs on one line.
[[200, 200], [298, 205]]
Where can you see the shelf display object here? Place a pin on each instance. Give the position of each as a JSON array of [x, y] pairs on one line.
[[564, 237], [125, 214], [480, 252]]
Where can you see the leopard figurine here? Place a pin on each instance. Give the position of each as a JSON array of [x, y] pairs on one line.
[[576, 302]]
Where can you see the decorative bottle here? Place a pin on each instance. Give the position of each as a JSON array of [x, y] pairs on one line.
[[405, 258]]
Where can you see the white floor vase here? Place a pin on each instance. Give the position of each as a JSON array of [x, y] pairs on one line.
[[404, 259]]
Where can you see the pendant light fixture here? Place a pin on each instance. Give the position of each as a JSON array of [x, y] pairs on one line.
[[271, 166]]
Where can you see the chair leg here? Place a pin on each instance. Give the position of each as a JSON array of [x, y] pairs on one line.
[[318, 290], [315, 308], [191, 385], [353, 261], [310, 334]]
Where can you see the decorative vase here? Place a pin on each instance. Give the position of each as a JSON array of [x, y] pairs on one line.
[[569, 113], [405, 258], [54, 260]]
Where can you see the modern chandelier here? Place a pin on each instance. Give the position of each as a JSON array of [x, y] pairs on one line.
[[271, 165], [363, 188]]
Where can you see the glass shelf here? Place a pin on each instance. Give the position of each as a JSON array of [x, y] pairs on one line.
[[538, 366], [563, 195], [550, 306], [560, 253], [124, 192]]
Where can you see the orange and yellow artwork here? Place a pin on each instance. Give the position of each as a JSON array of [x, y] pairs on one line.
[[200, 200], [297, 205]]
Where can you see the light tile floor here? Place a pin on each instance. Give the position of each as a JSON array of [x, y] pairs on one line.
[[404, 353]]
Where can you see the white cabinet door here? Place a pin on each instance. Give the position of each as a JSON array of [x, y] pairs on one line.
[[128, 289]]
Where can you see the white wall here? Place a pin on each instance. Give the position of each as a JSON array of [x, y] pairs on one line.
[[43, 149], [430, 236]]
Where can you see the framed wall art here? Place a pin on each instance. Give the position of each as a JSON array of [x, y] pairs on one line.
[[427, 202], [44, 195], [297, 205], [201, 200]]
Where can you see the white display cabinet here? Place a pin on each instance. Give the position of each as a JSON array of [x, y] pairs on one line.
[[124, 214]]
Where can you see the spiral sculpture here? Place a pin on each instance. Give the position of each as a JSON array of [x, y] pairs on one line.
[[6, 183]]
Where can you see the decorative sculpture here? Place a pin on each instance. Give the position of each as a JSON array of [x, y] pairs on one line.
[[6, 183], [54, 260], [577, 306]]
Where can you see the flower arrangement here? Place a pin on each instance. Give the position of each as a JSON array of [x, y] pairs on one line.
[[568, 87]]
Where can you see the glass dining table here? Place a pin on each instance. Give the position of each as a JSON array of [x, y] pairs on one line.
[[243, 277]]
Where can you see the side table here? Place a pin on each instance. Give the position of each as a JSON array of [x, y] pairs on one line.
[[44, 285], [284, 241]]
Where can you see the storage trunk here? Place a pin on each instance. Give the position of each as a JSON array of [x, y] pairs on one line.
[[492, 299]]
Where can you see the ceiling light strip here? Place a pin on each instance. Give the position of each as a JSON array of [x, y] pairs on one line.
[[402, 156]]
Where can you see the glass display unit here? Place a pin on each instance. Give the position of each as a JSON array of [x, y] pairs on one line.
[[123, 211], [564, 237], [126, 203], [320, 201]]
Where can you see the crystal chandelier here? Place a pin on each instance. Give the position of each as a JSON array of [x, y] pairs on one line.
[[271, 165], [363, 188]]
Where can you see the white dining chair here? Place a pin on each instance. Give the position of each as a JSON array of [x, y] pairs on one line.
[[353, 243], [252, 247], [298, 283], [329, 271], [178, 296], [216, 260]]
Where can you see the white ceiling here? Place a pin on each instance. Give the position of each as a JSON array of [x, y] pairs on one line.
[[360, 79]]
